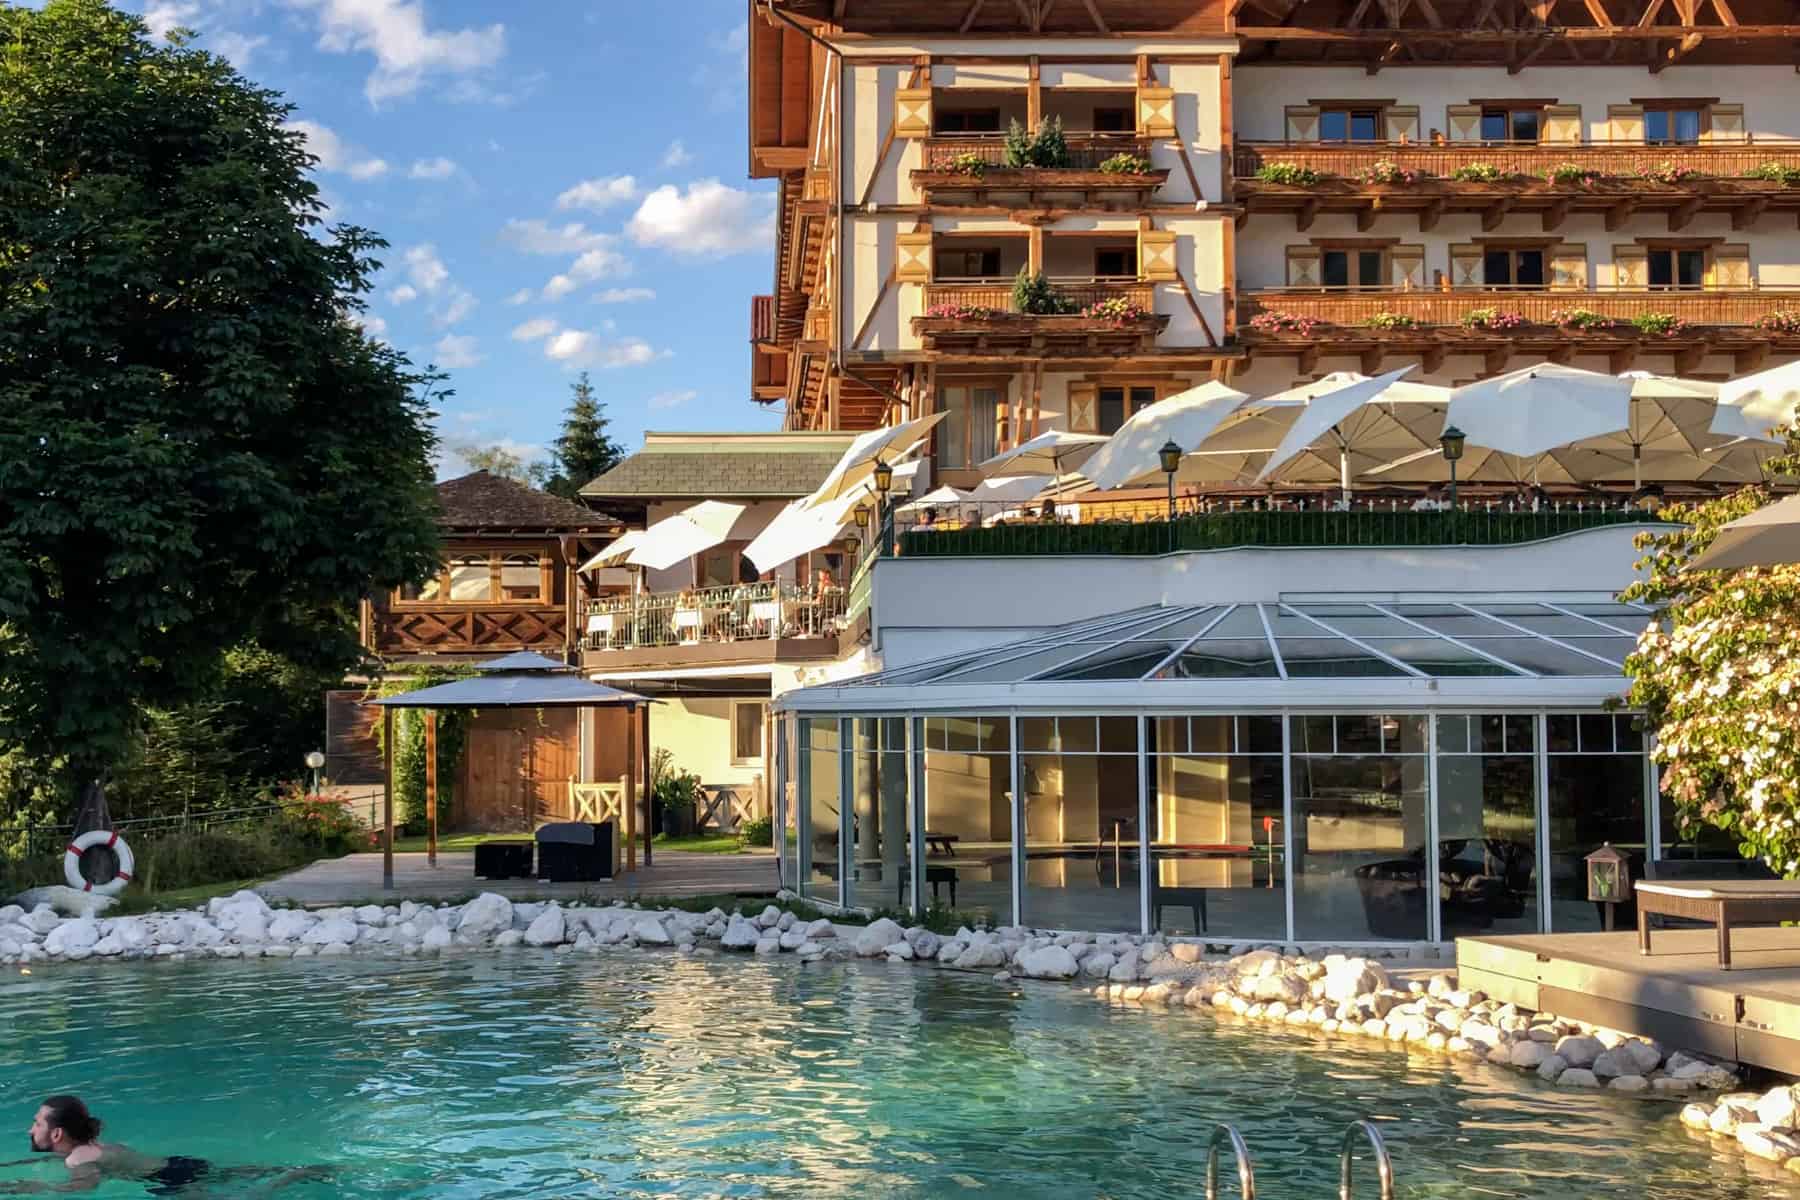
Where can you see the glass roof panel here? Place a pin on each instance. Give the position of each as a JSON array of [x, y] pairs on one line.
[[1535, 654], [1614, 648], [1329, 657], [1239, 658], [1555, 625], [1454, 622], [1152, 625], [1363, 623], [1287, 624], [1240, 622], [1437, 657], [1509, 611], [1127, 660], [1619, 616], [1008, 670], [921, 673]]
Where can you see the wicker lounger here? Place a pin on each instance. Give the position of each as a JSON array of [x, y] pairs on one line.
[[1721, 902]]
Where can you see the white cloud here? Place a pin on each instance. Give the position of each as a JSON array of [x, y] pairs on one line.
[[708, 220], [426, 270], [370, 324], [457, 351], [531, 331], [676, 155], [406, 293], [734, 41], [405, 47], [599, 194], [432, 168], [540, 237], [624, 295], [427, 275], [335, 154], [459, 302], [672, 399], [519, 297], [163, 15], [558, 287], [581, 348], [237, 48]]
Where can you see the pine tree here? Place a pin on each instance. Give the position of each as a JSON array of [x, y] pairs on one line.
[[584, 451]]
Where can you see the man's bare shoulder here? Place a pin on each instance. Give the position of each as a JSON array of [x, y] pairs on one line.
[[116, 1161]]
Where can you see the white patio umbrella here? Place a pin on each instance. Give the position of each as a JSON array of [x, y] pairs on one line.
[[1353, 417], [617, 552], [799, 529], [1756, 404], [1053, 452], [1768, 537], [685, 534], [1186, 419], [944, 495], [1535, 409], [1011, 489], [889, 444]]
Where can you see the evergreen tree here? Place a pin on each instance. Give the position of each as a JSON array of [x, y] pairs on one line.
[[584, 451]]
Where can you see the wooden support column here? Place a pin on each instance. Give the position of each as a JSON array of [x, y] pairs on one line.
[[431, 787], [1227, 146], [1034, 260], [640, 763], [387, 798], [1034, 97], [628, 789]]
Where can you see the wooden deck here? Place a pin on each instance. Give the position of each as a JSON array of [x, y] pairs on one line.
[[1679, 994], [357, 878]]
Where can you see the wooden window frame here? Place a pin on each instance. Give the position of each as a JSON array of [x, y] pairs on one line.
[[1383, 248], [1001, 383], [1130, 250], [1674, 248], [1509, 107], [1352, 107], [938, 113], [496, 597], [1164, 387], [1512, 249], [737, 705], [997, 249], [1125, 115]]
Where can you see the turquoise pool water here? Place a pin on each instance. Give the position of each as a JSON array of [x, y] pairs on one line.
[[635, 1075]]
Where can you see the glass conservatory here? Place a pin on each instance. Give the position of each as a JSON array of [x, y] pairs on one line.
[[1298, 770]]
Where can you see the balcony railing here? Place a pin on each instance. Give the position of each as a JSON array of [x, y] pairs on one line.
[[1730, 160], [416, 628], [762, 318], [1086, 150], [709, 616], [1720, 307], [996, 294]]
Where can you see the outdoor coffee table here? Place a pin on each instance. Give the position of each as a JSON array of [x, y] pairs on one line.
[[1721, 902]]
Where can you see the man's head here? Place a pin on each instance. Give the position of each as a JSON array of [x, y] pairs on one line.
[[62, 1124]]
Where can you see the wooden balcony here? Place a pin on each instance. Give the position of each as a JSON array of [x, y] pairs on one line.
[[971, 169], [1381, 323], [743, 625], [1719, 183], [416, 628], [969, 316], [762, 318]]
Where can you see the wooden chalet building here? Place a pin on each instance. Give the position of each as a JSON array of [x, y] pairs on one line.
[[1261, 191]]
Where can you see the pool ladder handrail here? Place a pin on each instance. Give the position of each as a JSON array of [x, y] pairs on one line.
[[1384, 1166], [1246, 1175]]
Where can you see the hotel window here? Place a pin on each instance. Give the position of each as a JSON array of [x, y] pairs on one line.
[[1350, 125], [746, 731], [1113, 120], [974, 262], [1513, 268], [1677, 269], [1511, 124], [1115, 262], [471, 578], [1119, 404], [521, 578], [1672, 126], [431, 589], [968, 120], [966, 436], [1354, 269]]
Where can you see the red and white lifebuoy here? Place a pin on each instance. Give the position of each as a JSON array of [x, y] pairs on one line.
[[87, 841]]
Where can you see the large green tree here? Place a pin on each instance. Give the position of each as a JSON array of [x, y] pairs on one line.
[[198, 446], [584, 450]]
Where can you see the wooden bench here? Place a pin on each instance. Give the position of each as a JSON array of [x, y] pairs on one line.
[[1722, 902]]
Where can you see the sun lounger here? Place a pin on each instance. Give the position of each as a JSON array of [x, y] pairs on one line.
[[1720, 902]]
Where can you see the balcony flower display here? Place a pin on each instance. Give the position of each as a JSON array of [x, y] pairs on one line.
[[1570, 174], [962, 312], [1478, 173], [1275, 321], [1289, 174], [1126, 164], [1786, 320], [1387, 171], [1116, 311], [1492, 318], [1580, 318], [1667, 171], [1392, 320], [1046, 147], [1658, 324], [1774, 172], [967, 163], [1037, 296]]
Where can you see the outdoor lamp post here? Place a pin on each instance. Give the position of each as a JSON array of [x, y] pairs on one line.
[[884, 480], [1608, 879], [861, 513], [1170, 457], [315, 760], [1451, 442]]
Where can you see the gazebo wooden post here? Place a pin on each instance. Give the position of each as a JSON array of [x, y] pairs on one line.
[[630, 814], [431, 787], [643, 739], [387, 799]]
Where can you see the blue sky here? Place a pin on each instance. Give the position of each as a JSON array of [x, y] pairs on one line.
[[563, 184]]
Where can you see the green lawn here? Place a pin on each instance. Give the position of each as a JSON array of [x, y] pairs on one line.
[[451, 841], [704, 843]]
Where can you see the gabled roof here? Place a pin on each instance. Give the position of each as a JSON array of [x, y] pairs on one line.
[[482, 500], [722, 466]]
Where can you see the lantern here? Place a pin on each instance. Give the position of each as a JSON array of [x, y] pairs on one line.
[[1608, 875]]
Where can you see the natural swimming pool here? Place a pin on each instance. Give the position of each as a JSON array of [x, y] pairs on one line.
[[633, 1075]]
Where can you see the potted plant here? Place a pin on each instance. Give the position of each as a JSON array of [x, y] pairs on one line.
[[1492, 318], [1658, 324], [1289, 174], [1392, 320], [1478, 173], [1785, 320], [1580, 318], [1275, 321], [1035, 295], [1126, 164]]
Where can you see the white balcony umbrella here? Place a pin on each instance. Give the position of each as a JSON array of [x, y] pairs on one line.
[[889, 444], [1186, 418], [685, 534], [1054, 452], [1536, 409], [1768, 537], [617, 552], [800, 529], [1756, 404], [1353, 418], [944, 495], [1011, 489]]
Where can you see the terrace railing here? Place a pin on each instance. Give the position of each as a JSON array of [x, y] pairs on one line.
[[1735, 306], [1516, 160], [1083, 291], [745, 612], [1086, 150]]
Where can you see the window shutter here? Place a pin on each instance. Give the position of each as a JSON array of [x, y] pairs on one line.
[[1464, 122], [1156, 111], [1406, 265], [1724, 123], [1568, 268], [1562, 124], [1401, 123], [1631, 266], [1303, 267], [912, 112], [1625, 123], [1156, 255], [912, 257], [1082, 408], [1730, 266], [1302, 123], [1465, 266]]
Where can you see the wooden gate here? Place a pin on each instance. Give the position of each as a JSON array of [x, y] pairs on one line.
[[517, 765]]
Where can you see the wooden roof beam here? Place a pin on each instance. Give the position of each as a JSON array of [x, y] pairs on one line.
[[1093, 11], [975, 7], [1746, 214], [1351, 37], [1675, 53], [1524, 60], [1597, 10]]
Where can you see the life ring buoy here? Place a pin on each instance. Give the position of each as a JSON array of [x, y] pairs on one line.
[[87, 841]]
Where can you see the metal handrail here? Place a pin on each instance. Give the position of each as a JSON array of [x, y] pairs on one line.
[[1384, 1166], [1246, 1174]]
